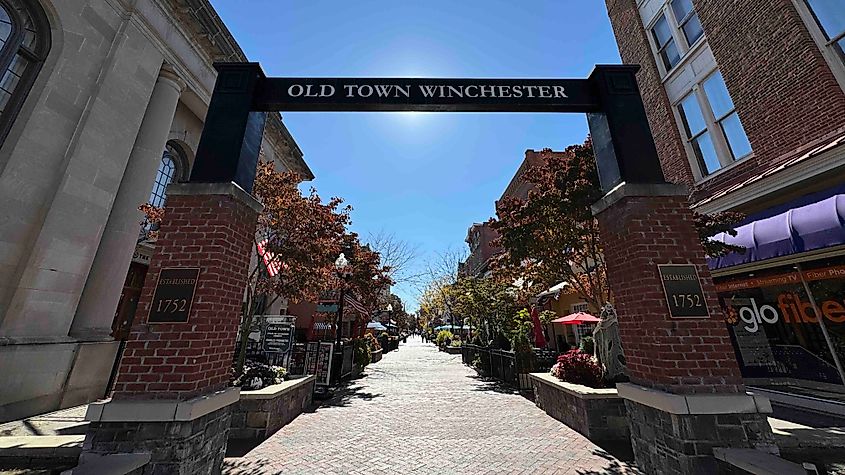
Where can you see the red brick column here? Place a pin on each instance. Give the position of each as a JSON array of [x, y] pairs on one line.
[[642, 226], [210, 226]]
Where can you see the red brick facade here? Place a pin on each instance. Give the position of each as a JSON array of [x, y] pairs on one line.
[[672, 354], [635, 49], [182, 360], [785, 92]]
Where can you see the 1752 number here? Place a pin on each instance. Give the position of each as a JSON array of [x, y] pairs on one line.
[[687, 300], [171, 305]]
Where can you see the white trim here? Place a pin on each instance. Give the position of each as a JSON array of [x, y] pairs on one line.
[[833, 59], [577, 390], [693, 404], [807, 169], [152, 410], [276, 390]]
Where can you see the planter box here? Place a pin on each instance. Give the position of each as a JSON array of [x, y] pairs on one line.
[[453, 350], [598, 414], [376, 356], [259, 414]]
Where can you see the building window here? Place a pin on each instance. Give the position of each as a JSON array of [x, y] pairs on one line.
[[712, 126], [830, 15], [172, 166], [674, 32], [24, 43]]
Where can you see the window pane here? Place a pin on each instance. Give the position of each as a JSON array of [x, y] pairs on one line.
[[164, 176], [706, 153], [691, 114], [735, 134], [717, 95], [670, 55], [681, 8], [692, 29], [831, 15], [662, 33]]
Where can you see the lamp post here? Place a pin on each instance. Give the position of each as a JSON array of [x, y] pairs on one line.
[[340, 265]]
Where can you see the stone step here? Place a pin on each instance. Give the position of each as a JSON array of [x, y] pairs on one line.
[[44, 451], [114, 464], [758, 462]]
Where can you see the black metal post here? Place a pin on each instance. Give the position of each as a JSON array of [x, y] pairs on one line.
[[339, 315]]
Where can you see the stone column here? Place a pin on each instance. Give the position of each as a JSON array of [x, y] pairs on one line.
[[99, 299], [686, 394], [171, 396]]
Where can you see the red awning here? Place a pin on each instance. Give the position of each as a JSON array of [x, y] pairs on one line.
[[577, 319]]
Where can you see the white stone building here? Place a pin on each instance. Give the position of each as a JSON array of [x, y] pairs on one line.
[[101, 105]]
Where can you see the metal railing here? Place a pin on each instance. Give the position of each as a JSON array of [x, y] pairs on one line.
[[506, 366]]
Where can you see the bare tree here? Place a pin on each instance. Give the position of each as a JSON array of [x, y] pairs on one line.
[[396, 254]]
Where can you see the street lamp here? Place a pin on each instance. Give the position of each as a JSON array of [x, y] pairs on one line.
[[340, 266]]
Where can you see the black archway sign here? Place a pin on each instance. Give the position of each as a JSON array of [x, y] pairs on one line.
[[243, 95]]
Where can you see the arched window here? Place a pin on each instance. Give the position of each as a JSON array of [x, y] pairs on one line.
[[172, 167], [24, 43]]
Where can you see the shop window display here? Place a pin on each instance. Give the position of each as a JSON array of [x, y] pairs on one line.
[[775, 322]]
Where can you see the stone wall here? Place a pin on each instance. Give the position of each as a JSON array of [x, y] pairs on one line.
[[598, 414], [261, 413], [684, 443], [176, 447]]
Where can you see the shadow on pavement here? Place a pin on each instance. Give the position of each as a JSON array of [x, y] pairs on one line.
[[489, 384], [614, 466], [344, 395]]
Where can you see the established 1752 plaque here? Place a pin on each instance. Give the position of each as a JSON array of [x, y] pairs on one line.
[[173, 295], [683, 291]]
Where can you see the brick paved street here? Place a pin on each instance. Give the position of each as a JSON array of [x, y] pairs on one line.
[[421, 411]]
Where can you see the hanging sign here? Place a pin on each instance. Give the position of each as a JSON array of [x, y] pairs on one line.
[[278, 336], [682, 287], [173, 295]]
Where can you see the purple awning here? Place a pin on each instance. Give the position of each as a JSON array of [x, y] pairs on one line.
[[814, 226]]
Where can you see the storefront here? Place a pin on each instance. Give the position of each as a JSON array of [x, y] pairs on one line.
[[784, 298]]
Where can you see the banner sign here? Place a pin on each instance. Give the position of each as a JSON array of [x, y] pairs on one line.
[[173, 295], [278, 336], [424, 94], [683, 291]]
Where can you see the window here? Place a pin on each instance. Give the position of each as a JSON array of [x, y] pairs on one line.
[[712, 126], [830, 16], [687, 20], [172, 166], [676, 29], [24, 43], [666, 47]]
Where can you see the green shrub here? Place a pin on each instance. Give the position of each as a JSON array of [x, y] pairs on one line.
[[587, 345], [444, 338], [362, 353], [259, 375]]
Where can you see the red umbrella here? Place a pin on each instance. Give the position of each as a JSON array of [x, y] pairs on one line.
[[577, 319], [539, 338]]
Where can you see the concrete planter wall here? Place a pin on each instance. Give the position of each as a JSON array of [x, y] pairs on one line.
[[452, 350], [259, 414], [376, 356], [598, 414]]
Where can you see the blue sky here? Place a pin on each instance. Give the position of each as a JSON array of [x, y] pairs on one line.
[[424, 176]]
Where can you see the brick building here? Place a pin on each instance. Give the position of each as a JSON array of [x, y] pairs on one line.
[[746, 100], [102, 104]]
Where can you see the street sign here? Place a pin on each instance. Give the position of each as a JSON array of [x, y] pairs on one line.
[[278, 336], [173, 295], [684, 294], [327, 308]]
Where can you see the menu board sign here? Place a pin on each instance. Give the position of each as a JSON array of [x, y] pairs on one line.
[[318, 361], [684, 294]]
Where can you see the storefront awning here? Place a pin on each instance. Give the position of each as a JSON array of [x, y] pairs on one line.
[[814, 226]]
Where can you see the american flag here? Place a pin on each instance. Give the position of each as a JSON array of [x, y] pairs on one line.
[[348, 300], [269, 258]]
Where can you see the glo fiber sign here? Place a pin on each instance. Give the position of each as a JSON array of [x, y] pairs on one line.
[[789, 308]]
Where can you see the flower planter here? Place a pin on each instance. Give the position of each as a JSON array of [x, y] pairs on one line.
[[259, 414], [598, 414], [376, 356], [453, 350]]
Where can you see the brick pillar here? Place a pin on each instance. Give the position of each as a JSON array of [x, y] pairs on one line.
[[171, 396], [686, 394]]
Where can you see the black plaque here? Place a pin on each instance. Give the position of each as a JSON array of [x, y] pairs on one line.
[[278, 337], [684, 294], [174, 295]]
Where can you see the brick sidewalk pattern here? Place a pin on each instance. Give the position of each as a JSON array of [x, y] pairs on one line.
[[422, 411]]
